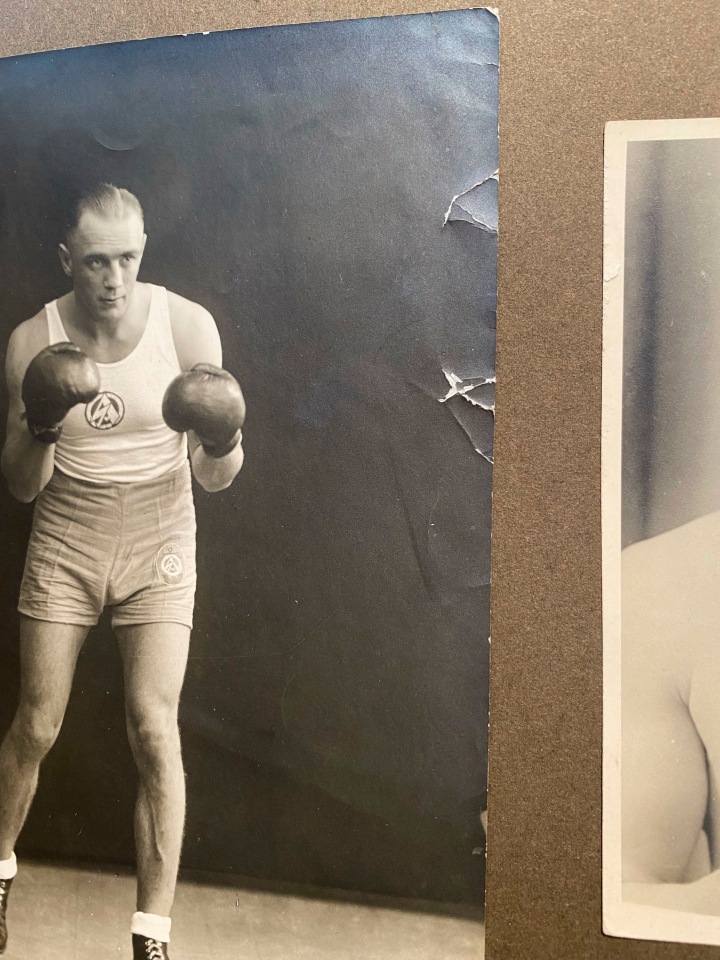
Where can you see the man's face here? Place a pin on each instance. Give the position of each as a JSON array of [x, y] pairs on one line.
[[103, 257]]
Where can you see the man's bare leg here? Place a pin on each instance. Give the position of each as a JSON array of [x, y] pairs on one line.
[[154, 661], [48, 655]]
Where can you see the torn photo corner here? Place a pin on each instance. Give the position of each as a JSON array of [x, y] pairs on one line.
[[661, 531], [326, 195]]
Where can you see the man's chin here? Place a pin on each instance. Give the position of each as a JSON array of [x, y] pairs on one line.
[[112, 308]]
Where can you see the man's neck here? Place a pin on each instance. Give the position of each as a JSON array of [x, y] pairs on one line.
[[77, 319], [106, 340]]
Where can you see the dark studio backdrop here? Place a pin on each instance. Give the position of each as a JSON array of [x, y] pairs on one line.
[[295, 182], [671, 393]]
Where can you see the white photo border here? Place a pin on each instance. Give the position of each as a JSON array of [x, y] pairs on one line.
[[621, 918]]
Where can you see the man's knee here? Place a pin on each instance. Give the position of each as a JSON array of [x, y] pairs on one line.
[[33, 733], [154, 737]]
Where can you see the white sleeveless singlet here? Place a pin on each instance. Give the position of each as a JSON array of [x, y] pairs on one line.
[[120, 436]]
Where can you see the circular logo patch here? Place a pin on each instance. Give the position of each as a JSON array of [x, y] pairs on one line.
[[169, 563], [105, 411]]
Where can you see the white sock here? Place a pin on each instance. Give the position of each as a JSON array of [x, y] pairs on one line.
[[8, 868], [152, 926]]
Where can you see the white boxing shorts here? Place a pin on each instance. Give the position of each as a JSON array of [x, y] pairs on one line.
[[129, 546]]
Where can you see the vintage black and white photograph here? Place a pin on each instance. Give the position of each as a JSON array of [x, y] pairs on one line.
[[247, 314], [661, 531]]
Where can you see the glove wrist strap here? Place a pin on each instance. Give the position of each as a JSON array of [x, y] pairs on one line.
[[218, 451], [43, 433]]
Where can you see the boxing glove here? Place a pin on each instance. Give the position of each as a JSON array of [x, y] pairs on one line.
[[56, 379], [207, 400]]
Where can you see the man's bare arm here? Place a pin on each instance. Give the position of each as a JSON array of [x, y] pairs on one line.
[[664, 773], [27, 464], [197, 341]]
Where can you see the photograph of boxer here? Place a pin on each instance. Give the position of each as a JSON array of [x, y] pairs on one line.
[[117, 393], [322, 200]]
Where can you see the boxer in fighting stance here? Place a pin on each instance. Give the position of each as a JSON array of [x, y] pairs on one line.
[[111, 387]]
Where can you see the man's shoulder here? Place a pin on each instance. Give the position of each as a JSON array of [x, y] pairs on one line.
[[677, 552], [29, 337], [184, 312], [674, 574], [194, 332]]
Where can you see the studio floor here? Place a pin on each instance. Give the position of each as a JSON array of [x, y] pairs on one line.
[[69, 913]]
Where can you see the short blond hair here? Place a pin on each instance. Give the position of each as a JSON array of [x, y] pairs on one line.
[[105, 199]]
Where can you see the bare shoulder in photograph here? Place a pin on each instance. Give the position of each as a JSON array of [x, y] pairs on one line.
[[661, 531], [244, 663]]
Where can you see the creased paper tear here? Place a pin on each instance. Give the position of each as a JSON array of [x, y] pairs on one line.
[[482, 396], [477, 205], [480, 391]]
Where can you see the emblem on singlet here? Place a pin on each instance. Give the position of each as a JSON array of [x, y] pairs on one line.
[[105, 411], [169, 563]]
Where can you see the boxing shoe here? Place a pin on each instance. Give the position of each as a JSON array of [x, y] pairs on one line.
[[145, 948], [4, 893]]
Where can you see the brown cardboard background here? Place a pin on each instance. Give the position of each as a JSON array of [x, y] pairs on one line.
[[566, 68]]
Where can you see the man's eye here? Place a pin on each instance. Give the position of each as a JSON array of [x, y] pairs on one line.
[[127, 258]]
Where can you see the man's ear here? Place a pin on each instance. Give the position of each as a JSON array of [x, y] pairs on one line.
[[142, 249], [65, 259]]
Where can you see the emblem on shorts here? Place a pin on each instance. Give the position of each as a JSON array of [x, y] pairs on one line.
[[105, 411], [169, 563]]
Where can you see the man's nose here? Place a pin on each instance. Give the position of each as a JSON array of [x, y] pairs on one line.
[[113, 276]]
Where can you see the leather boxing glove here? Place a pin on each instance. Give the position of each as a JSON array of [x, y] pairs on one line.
[[56, 379], [207, 400]]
